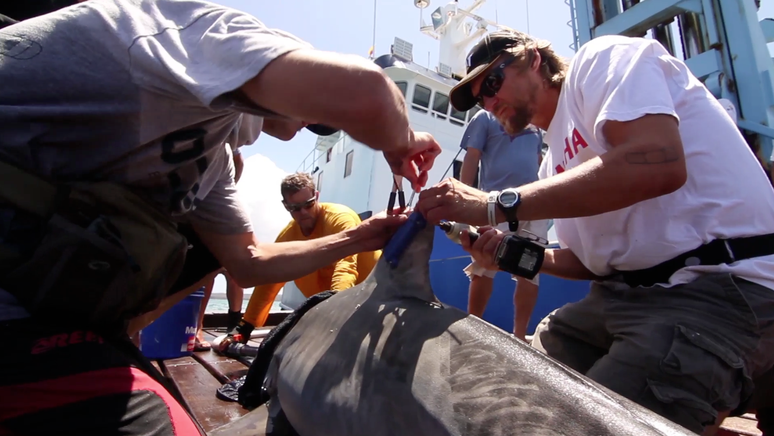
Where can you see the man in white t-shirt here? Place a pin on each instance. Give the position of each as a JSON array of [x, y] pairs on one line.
[[144, 94], [644, 167]]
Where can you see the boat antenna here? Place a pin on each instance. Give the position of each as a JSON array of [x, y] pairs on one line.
[[526, 3], [373, 41]]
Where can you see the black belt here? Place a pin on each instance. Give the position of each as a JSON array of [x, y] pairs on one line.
[[717, 252]]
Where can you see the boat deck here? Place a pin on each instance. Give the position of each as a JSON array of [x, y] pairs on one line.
[[197, 378]]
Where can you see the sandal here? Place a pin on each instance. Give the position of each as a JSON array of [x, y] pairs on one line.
[[202, 346]]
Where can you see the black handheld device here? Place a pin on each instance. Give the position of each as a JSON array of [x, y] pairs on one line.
[[518, 255]]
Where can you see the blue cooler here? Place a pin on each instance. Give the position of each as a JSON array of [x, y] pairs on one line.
[[173, 334]]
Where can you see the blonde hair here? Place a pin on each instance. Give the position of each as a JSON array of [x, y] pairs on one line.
[[553, 67]]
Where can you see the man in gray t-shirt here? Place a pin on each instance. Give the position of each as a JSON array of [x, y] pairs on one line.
[[145, 93], [507, 161]]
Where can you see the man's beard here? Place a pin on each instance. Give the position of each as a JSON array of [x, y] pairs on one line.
[[521, 116], [518, 120]]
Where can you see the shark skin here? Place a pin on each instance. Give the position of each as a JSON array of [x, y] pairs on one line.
[[386, 358]]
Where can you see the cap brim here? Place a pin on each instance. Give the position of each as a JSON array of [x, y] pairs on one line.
[[461, 95], [321, 130]]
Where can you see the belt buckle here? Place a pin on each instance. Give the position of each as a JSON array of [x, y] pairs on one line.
[[729, 251]]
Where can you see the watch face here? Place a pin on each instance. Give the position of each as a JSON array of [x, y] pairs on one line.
[[508, 198]]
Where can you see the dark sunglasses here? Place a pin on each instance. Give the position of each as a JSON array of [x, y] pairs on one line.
[[295, 207], [493, 81]]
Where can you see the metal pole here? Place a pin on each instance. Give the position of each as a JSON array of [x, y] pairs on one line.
[[526, 2], [373, 42]]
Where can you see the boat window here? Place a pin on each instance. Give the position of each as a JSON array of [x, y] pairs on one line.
[[348, 163], [440, 105], [457, 170], [328, 154], [457, 117], [473, 111], [319, 181], [421, 98], [403, 86]]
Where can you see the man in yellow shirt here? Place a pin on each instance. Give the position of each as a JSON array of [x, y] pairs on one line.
[[311, 220]]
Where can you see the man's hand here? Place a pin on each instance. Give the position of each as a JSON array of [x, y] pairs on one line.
[[414, 162], [453, 200], [373, 233], [484, 249]]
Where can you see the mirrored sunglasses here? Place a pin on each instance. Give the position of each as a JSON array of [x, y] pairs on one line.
[[295, 207], [493, 81]]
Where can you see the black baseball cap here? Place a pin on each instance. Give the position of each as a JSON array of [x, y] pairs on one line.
[[480, 58], [321, 129]]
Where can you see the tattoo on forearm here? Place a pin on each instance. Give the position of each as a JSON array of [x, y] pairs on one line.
[[660, 156]]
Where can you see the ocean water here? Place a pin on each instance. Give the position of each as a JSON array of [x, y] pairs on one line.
[[220, 305]]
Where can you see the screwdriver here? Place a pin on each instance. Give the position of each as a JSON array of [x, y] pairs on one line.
[[454, 230]]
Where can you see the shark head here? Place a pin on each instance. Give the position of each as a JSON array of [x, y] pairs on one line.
[[411, 276]]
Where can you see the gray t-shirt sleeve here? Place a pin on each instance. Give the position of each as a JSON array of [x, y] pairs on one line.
[[246, 132], [206, 54], [222, 210], [476, 133]]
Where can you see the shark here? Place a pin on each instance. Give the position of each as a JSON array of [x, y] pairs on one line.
[[387, 358]]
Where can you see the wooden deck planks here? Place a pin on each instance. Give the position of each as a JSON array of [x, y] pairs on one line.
[[745, 425], [224, 369], [252, 424], [198, 387]]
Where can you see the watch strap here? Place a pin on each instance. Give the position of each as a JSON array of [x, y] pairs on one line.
[[491, 208]]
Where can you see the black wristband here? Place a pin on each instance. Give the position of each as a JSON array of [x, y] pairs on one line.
[[245, 329]]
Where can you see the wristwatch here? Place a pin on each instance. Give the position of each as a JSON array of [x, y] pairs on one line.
[[508, 201]]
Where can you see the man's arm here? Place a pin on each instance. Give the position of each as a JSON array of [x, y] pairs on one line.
[[348, 93], [252, 263], [564, 263], [369, 106], [474, 143], [345, 270], [469, 166], [646, 161]]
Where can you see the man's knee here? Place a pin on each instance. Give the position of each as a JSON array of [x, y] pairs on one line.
[[678, 372], [541, 330], [556, 339]]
